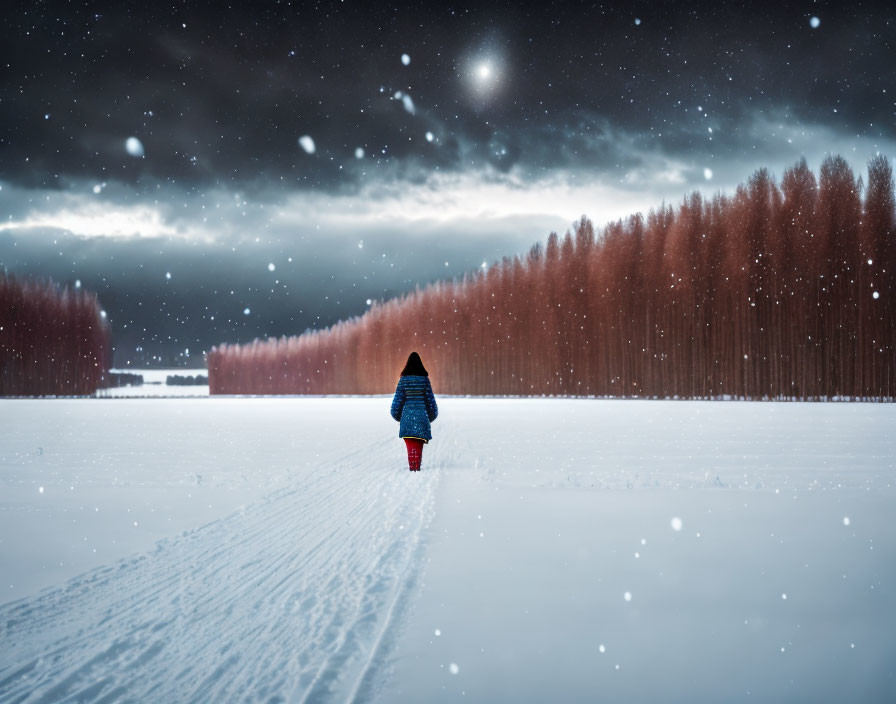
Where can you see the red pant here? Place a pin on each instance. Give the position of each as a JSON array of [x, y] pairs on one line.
[[415, 453]]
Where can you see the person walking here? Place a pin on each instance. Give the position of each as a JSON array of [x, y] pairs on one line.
[[414, 406]]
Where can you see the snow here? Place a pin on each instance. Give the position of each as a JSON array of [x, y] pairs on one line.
[[277, 548], [405, 59], [814, 22], [405, 100], [134, 147], [567, 491], [307, 143]]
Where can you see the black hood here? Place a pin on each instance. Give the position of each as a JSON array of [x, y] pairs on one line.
[[414, 367]]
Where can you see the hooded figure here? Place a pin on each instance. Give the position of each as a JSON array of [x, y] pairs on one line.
[[414, 406]]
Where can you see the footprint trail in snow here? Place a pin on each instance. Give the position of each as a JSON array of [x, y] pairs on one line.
[[290, 599]]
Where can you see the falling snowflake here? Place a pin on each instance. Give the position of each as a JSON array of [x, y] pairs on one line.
[[814, 22], [306, 143], [246, 311], [453, 668], [627, 596], [134, 147], [405, 59], [359, 153], [271, 266], [676, 523]]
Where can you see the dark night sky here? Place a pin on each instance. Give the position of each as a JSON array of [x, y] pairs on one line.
[[440, 138]]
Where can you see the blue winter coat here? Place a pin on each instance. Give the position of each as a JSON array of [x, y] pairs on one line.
[[415, 406]]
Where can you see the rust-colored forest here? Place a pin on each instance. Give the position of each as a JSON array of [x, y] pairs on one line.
[[781, 291], [52, 341]]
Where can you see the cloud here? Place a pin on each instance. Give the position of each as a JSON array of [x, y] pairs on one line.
[[89, 219]]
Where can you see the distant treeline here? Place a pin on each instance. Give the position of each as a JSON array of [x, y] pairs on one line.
[[114, 380], [53, 341], [178, 380], [777, 291]]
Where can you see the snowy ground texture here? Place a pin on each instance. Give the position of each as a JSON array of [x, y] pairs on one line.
[[222, 549]]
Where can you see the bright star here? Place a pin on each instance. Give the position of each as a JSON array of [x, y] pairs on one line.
[[486, 75]]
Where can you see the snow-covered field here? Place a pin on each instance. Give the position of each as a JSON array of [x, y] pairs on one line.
[[276, 549]]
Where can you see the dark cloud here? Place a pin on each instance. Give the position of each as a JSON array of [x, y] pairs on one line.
[[224, 99]]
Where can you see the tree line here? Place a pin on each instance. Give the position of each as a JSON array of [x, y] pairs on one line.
[[779, 291], [53, 341]]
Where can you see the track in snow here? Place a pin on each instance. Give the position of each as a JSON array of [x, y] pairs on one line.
[[290, 599]]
